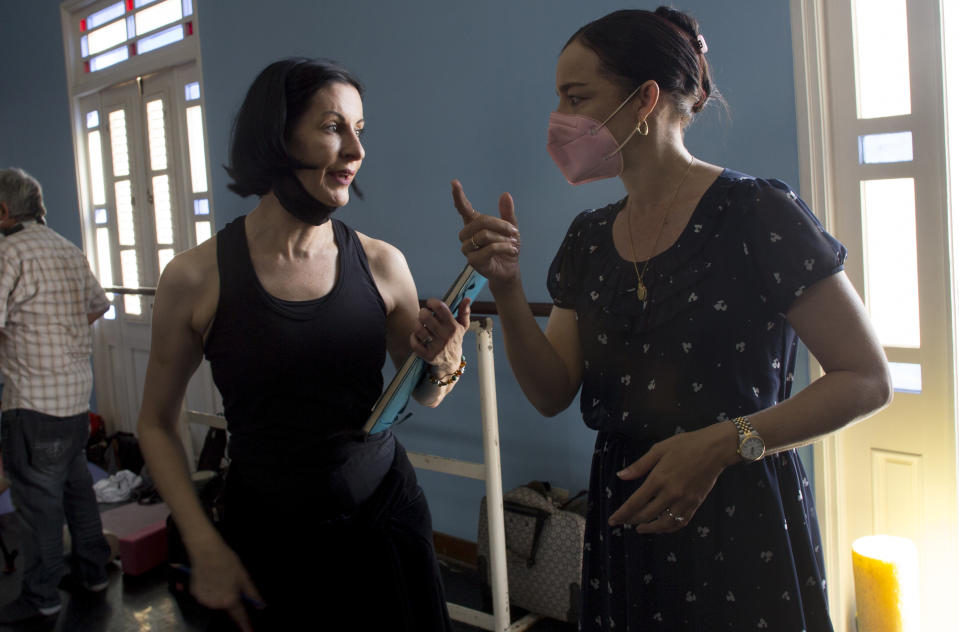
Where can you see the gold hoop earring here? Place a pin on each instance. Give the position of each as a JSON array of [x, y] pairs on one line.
[[643, 128]]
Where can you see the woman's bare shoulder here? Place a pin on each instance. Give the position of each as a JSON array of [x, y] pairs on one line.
[[385, 258]]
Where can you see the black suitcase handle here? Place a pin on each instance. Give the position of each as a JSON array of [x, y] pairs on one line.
[[532, 512]]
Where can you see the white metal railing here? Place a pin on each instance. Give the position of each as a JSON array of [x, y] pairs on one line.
[[491, 472]]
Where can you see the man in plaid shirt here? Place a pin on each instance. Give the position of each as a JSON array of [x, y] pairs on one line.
[[48, 301]]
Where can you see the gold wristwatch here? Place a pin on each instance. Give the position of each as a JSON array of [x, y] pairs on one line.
[[751, 445]]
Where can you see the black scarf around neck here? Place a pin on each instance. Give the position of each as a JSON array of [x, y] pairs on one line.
[[298, 202]]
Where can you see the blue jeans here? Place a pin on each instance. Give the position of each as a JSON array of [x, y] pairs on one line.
[[45, 459]]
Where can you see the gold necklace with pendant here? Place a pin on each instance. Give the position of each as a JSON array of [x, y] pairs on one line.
[[641, 290]]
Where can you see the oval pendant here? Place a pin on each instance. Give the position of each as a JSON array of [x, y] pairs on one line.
[[641, 291]]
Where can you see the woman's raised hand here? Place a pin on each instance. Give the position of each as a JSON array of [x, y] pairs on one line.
[[491, 244]]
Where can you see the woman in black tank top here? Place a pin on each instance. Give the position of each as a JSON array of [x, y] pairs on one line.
[[323, 528]]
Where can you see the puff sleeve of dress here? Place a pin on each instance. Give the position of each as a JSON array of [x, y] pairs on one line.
[[789, 247], [565, 278]]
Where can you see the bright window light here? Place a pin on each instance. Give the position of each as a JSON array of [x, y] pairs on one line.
[[203, 232], [108, 59], [156, 132], [93, 119], [107, 37], [118, 143], [161, 39], [125, 229], [164, 256], [84, 47], [883, 148], [906, 377], [187, 7], [194, 126], [104, 265], [201, 207], [193, 91], [162, 209], [112, 312], [158, 15], [892, 279], [131, 279], [100, 215], [105, 15], [882, 58], [142, 3], [95, 155]]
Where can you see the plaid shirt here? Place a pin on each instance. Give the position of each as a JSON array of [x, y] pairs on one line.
[[46, 292]]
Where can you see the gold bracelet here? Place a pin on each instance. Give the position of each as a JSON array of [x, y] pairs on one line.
[[446, 380]]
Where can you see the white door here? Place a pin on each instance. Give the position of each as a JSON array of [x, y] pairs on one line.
[[149, 200], [896, 472]]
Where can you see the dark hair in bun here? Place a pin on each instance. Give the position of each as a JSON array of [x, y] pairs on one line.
[[665, 45]]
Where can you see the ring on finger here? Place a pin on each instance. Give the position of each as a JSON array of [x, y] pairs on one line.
[[427, 341], [476, 246], [671, 516]]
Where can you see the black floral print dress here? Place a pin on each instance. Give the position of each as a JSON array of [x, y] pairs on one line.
[[710, 343]]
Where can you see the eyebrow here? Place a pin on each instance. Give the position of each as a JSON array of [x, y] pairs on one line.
[[335, 113], [572, 84]]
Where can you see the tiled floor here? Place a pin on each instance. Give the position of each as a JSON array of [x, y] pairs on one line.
[[141, 604]]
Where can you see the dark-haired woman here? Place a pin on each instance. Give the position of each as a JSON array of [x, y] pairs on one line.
[[322, 528], [677, 311]]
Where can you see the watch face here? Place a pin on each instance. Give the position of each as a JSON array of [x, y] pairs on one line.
[[752, 448]]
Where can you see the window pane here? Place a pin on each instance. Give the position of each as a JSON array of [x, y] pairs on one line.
[[164, 255], [892, 280], [158, 15], [156, 132], [879, 148], [161, 209], [193, 91], [104, 265], [125, 229], [109, 36], [201, 207], [159, 40], [93, 119], [142, 3], [95, 156], [194, 126], [131, 278], [187, 7], [100, 215], [84, 47], [112, 312], [203, 232], [106, 60], [906, 378], [118, 143], [882, 58], [105, 15]]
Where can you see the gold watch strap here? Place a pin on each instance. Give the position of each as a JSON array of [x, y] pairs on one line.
[[743, 426]]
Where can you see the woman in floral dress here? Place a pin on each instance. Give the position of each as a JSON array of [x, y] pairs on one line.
[[677, 311]]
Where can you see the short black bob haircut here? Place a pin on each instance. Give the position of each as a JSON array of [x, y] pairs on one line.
[[280, 94]]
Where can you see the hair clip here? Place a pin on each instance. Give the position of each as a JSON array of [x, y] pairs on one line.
[[700, 43]]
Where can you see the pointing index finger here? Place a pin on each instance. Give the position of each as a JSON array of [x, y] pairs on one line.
[[466, 210]]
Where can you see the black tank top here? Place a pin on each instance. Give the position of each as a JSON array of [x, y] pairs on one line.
[[295, 374]]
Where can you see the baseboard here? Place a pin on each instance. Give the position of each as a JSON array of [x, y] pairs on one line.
[[453, 548]]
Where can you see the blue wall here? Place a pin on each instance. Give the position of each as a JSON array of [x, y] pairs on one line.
[[454, 90], [34, 107]]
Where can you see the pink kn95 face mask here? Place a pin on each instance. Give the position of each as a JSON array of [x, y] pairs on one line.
[[583, 148]]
